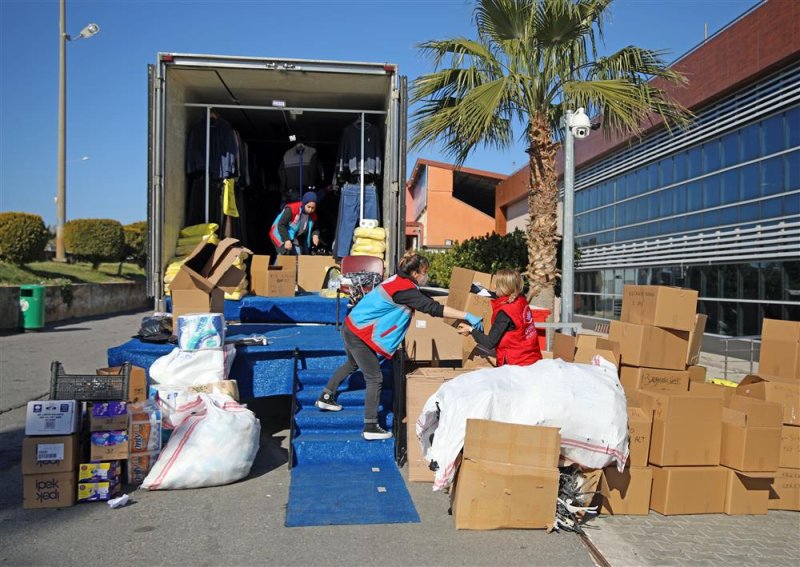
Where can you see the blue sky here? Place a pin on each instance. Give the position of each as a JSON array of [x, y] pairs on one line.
[[107, 79]]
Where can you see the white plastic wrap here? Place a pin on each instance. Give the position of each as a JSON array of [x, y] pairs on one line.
[[181, 369], [215, 444], [585, 401]]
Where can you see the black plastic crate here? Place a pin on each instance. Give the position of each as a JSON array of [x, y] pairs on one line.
[[88, 387]]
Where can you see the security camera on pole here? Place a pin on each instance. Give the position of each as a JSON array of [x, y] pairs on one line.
[[61, 192], [577, 125]]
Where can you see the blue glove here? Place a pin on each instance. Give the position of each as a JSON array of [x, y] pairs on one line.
[[475, 322]]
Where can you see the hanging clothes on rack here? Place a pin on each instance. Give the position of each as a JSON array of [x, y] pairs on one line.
[[349, 215], [299, 170], [349, 158]]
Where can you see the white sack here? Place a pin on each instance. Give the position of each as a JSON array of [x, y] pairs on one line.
[[215, 443], [181, 368], [585, 401]]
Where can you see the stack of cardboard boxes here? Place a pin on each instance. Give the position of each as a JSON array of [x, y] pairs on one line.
[[289, 273], [108, 445]]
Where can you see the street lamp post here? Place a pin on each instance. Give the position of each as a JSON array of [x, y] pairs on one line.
[[61, 192]]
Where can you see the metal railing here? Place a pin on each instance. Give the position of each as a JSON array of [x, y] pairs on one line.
[[749, 349], [549, 328]]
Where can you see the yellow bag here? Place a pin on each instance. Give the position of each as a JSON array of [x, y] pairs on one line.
[[368, 246], [376, 255], [198, 230], [229, 199], [376, 233], [186, 249]]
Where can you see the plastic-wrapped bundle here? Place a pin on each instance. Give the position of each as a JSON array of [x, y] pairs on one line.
[[201, 331], [376, 233]]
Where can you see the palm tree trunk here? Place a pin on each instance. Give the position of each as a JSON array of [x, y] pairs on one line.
[[543, 234]]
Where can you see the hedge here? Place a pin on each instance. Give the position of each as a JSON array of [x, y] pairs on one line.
[[136, 243], [94, 240], [23, 237]]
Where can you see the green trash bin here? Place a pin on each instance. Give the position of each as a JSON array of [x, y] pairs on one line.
[[31, 307]]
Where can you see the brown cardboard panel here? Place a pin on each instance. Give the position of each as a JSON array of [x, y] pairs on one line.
[[421, 385], [785, 391], [476, 357], [196, 301], [748, 448], [431, 339], [786, 490], [661, 306], [53, 490], [790, 447], [459, 296], [547, 355], [687, 430], [651, 347], [696, 373], [688, 490], [36, 448], [564, 347], [498, 495], [706, 389], [271, 281], [626, 493], [515, 444], [606, 348], [746, 494], [109, 452], [311, 271], [137, 381], [696, 339], [637, 378], [759, 412], [640, 426], [780, 349]]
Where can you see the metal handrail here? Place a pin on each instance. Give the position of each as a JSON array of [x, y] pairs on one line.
[[751, 350], [550, 327]]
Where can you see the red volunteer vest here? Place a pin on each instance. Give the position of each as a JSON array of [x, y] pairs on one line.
[[518, 346]]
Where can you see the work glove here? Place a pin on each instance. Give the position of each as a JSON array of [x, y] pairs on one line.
[[475, 322]]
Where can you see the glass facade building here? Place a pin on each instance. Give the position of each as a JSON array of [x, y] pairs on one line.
[[715, 208]]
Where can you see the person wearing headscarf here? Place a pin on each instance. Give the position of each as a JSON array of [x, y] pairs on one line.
[[294, 230]]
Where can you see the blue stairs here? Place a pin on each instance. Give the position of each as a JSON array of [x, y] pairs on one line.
[[338, 477]]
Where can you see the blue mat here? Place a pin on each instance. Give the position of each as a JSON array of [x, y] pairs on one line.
[[304, 308], [259, 370], [338, 478]]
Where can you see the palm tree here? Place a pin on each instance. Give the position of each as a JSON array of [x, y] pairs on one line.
[[533, 60]]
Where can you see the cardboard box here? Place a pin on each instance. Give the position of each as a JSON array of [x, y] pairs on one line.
[[431, 339], [272, 281], [137, 381], [747, 493], [421, 385], [459, 296], [790, 447], [53, 490], [696, 373], [651, 347], [51, 417], [706, 389], [688, 490], [564, 347], [751, 435], [547, 355], [660, 306], [96, 472], [587, 346], [636, 378], [100, 490], [311, 272], [46, 455], [204, 277], [687, 429], [476, 357], [108, 446], [626, 493], [640, 425], [108, 416], [786, 490], [500, 442], [785, 391], [780, 349], [696, 339]]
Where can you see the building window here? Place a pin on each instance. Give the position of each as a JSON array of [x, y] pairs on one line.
[[711, 191], [749, 182], [730, 187], [695, 162], [772, 176], [711, 156], [792, 170], [773, 134], [730, 149], [793, 132], [680, 167], [751, 142]]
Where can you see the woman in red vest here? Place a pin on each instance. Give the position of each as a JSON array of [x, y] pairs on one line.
[[513, 334]]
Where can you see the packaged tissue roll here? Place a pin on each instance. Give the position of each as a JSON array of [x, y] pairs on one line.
[[201, 331]]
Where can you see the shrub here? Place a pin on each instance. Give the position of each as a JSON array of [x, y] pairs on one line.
[[94, 240], [136, 243], [23, 237]]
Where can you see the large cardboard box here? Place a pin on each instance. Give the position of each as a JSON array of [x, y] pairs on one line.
[[696, 340], [587, 346], [687, 428], [786, 490], [688, 490], [780, 349], [507, 477], [45, 455], [205, 276], [108, 445], [476, 357], [459, 295], [311, 271], [51, 417], [137, 381], [564, 347], [751, 435], [747, 493], [431, 339], [785, 391], [696, 373], [626, 493], [421, 385], [651, 347], [725, 393], [640, 426], [273, 281], [52, 490], [636, 378], [790, 447], [660, 306]]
